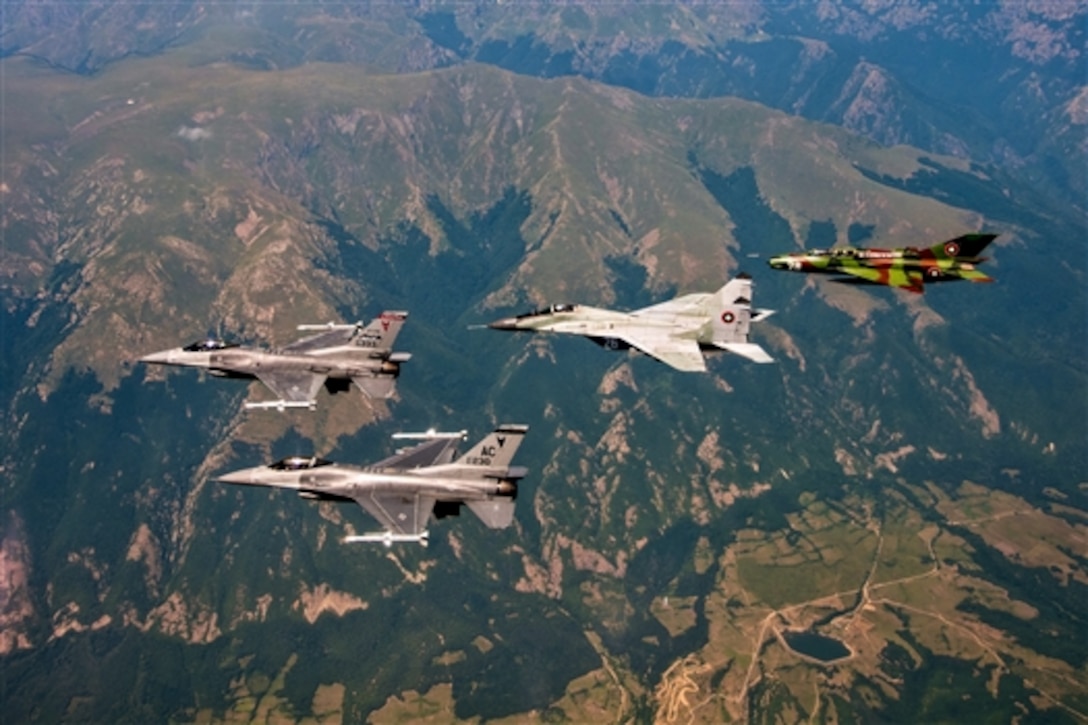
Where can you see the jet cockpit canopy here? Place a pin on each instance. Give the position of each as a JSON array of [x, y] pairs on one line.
[[549, 310], [209, 345], [298, 463]]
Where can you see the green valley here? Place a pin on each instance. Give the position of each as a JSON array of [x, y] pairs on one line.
[[906, 482]]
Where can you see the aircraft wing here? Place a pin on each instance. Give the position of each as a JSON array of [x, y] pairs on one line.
[[405, 514], [376, 386], [908, 279], [969, 274], [429, 453], [677, 352], [297, 386], [687, 305], [336, 337]]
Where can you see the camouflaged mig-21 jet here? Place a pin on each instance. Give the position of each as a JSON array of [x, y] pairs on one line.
[[335, 357], [909, 268]]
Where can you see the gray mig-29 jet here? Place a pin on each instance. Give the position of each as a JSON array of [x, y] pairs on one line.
[[335, 357], [404, 490], [675, 332]]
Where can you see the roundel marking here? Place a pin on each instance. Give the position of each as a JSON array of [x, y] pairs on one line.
[[951, 249], [933, 272], [727, 317]]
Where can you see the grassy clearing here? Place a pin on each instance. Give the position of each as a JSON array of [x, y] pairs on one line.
[[805, 563]]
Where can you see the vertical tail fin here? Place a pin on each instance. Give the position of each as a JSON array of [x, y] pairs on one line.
[[494, 454], [497, 449], [382, 331], [731, 317], [731, 311], [968, 245]]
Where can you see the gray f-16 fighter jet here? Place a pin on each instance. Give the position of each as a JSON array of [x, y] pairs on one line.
[[335, 357], [404, 490], [675, 332]]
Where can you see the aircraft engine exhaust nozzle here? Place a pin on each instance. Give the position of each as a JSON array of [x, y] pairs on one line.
[[507, 488]]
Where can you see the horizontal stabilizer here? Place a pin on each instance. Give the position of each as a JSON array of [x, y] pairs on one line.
[[750, 350], [388, 538], [496, 513]]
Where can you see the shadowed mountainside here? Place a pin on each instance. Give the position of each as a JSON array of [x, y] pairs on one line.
[[907, 478], [999, 83]]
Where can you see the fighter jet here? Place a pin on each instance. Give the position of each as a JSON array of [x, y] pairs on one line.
[[675, 332], [404, 490], [335, 357], [907, 268]]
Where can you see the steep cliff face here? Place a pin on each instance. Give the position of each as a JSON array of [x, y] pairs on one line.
[[674, 528]]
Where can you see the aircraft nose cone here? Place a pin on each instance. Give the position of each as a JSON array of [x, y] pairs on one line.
[[163, 357], [243, 476], [778, 262], [506, 323]]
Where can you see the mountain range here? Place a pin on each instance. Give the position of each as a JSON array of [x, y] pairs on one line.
[[904, 487]]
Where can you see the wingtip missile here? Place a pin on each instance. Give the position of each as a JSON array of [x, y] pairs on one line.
[[388, 538], [281, 405], [323, 326], [430, 434]]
